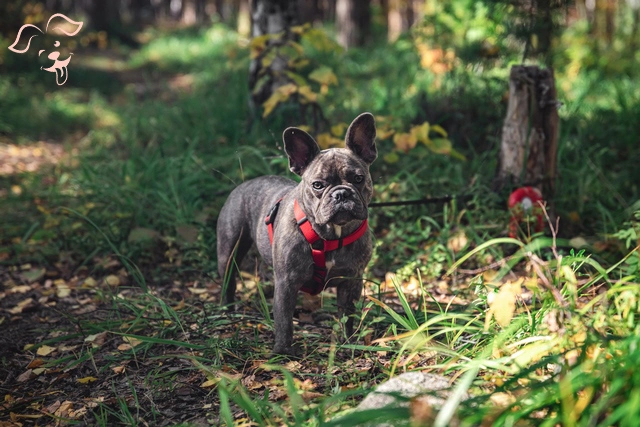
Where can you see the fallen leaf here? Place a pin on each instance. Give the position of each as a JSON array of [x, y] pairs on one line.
[[118, 369], [53, 407], [209, 383], [457, 242], [133, 342], [503, 304], [45, 350], [62, 289], [20, 289], [86, 380], [35, 363], [112, 280], [21, 306], [89, 282], [25, 376], [34, 275], [96, 340]]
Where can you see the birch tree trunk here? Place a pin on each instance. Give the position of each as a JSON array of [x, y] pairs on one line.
[[353, 21], [528, 149]]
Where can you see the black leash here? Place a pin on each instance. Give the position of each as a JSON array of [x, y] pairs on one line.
[[425, 201]]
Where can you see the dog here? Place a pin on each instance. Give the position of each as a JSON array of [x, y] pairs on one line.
[[314, 234]]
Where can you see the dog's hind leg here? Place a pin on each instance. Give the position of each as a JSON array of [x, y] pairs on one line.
[[232, 249]]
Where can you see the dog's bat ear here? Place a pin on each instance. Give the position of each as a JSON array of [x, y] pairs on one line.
[[361, 137], [62, 24], [301, 149], [26, 32]]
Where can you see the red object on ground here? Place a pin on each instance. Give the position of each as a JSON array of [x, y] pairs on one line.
[[524, 202]]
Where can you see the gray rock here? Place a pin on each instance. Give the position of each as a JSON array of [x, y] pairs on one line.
[[434, 388]]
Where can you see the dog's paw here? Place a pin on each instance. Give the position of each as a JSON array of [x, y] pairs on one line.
[[292, 352]]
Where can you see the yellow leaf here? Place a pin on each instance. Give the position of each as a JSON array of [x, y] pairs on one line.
[[440, 130], [86, 380], [439, 145], [209, 383], [307, 93], [325, 141], [339, 129], [133, 342], [299, 29], [45, 350], [258, 44], [62, 290], [112, 280], [503, 304], [118, 369], [421, 132], [279, 95], [89, 282], [384, 134], [404, 141], [324, 76]]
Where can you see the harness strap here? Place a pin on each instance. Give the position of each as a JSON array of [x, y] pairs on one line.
[[318, 255], [271, 216]]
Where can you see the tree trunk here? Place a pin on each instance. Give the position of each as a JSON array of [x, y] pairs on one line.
[[400, 17], [528, 149], [105, 16], [270, 17], [353, 21], [189, 15], [244, 18]]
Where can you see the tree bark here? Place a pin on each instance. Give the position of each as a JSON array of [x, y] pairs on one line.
[[528, 149], [189, 15], [270, 17], [353, 22]]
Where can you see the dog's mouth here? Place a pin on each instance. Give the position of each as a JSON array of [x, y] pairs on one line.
[[342, 213]]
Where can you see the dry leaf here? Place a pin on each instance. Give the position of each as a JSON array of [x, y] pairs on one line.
[[112, 280], [133, 342], [86, 380], [22, 305], [62, 289], [96, 340], [19, 289], [25, 376], [118, 369], [45, 350], [35, 363], [503, 304], [457, 242]]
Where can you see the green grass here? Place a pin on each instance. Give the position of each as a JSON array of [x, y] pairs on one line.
[[155, 161]]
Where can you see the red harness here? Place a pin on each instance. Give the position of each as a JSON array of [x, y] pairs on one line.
[[319, 258]]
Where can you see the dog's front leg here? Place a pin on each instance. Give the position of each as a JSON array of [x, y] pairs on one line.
[[349, 291], [284, 304]]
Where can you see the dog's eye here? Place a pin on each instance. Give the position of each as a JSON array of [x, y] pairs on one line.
[[317, 185], [358, 179]]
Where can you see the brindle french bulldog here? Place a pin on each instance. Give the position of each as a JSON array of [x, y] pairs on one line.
[[314, 234]]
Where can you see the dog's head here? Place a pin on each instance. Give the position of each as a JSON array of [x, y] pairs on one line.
[[336, 183], [57, 24]]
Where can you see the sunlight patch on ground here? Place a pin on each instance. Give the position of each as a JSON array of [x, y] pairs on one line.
[[15, 159]]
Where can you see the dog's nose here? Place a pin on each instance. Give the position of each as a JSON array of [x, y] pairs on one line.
[[340, 195]]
